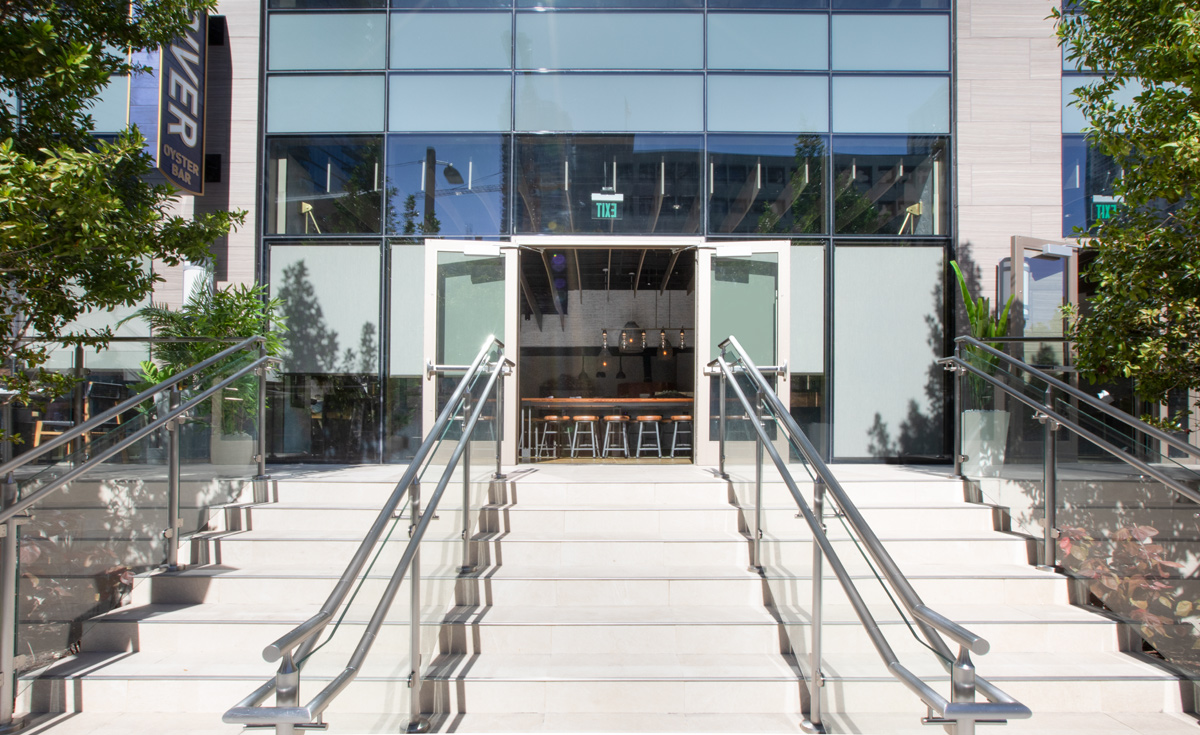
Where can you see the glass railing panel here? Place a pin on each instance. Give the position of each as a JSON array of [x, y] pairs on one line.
[[1132, 440], [1131, 544], [83, 545], [1003, 443]]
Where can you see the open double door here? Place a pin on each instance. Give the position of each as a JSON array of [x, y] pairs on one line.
[[472, 291]]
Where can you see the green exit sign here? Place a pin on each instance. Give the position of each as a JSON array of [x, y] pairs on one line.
[[607, 210], [1105, 207], [607, 205]]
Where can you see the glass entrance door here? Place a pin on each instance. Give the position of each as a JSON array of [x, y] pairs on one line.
[[743, 291], [469, 289]]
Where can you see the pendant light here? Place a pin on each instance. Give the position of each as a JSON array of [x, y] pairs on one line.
[[582, 373], [621, 367], [602, 369]]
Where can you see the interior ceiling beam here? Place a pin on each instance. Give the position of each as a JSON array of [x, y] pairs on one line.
[[670, 269], [525, 289], [578, 273], [637, 279], [608, 276], [562, 318]]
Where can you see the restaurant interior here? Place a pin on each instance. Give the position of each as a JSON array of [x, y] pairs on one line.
[[607, 356]]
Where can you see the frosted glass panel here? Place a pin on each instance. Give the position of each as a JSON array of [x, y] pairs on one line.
[[610, 102], [891, 105], [884, 42], [610, 41], [888, 391], [768, 41], [110, 111], [808, 310], [330, 298], [768, 103], [451, 41], [470, 294], [407, 309], [744, 292], [325, 104], [450, 102], [326, 41]]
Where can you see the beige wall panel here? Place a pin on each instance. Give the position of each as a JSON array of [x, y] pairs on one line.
[[1045, 58], [1007, 18], [1016, 100], [1009, 144], [995, 142], [995, 58], [1047, 222], [242, 18]]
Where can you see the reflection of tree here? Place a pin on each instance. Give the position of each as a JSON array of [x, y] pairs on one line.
[[921, 432], [357, 207], [312, 347], [802, 197], [873, 196], [414, 223], [366, 359]]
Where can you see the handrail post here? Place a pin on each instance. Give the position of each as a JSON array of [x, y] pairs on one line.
[[962, 688], [287, 690], [466, 493], [77, 402], [174, 522], [261, 457], [8, 613], [498, 426], [721, 432], [816, 680], [756, 543], [416, 723], [1049, 484], [959, 376]]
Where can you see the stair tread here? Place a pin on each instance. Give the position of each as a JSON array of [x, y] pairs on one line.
[[996, 667]]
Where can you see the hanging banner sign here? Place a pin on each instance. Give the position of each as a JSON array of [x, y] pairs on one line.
[[181, 107]]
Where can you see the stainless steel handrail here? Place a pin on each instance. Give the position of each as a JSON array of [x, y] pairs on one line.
[[77, 431], [1051, 420], [287, 713], [1092, 401], [963, 710]]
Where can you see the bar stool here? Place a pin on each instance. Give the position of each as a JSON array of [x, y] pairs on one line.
[[687, 443], [547, 448], [652, 421], [581, 423], [619, 442]]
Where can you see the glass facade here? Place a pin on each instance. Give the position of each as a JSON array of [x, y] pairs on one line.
[[493, 119]]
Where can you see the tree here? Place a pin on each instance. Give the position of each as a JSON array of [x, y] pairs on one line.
[[79, 220], [1144, 320]]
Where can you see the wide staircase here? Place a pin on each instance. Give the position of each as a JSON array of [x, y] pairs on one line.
[[607, 599], [599, 598]]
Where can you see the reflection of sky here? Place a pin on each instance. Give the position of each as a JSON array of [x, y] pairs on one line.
[[461, 211]]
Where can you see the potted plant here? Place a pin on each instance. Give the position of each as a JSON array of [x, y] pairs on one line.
[[984, 429], [220, 315]]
